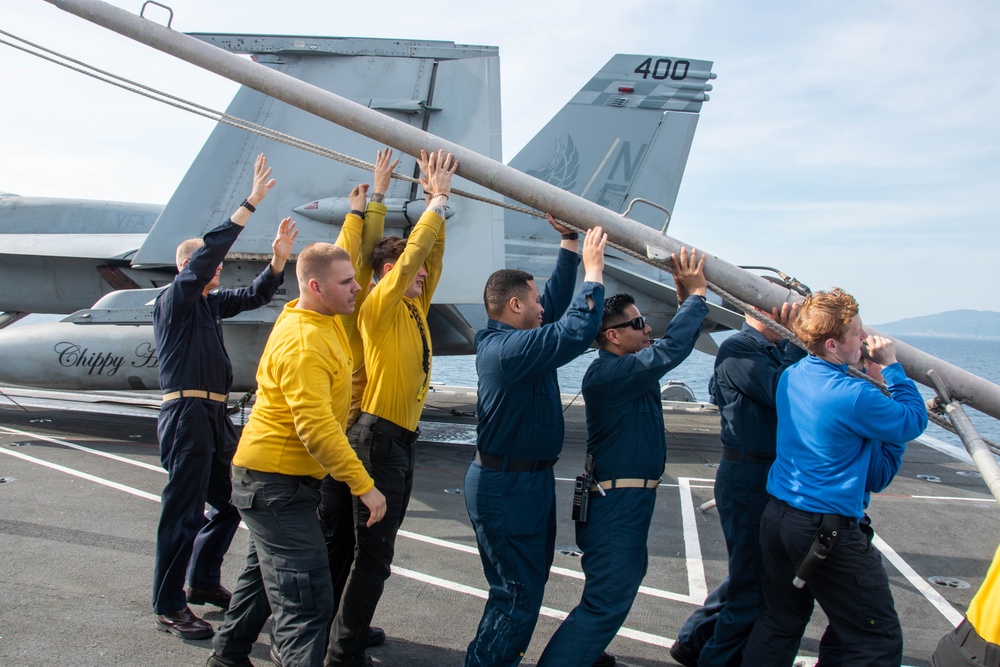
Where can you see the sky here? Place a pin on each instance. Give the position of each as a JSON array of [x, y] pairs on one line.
[[848, 144]]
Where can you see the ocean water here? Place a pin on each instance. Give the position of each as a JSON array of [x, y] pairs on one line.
[[977, 355]]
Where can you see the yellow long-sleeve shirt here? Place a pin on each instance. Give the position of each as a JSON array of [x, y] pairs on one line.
[[984, 610], [359, 237], [303, 396], [394, 352]]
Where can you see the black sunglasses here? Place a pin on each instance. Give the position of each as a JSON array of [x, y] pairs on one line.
[[638, 323]]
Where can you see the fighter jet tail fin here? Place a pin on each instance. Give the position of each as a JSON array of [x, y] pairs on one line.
[[626, 134]]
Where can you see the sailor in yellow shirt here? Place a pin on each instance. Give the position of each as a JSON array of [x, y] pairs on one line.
[[397, 350], [976, 641], [359, 234], [294, 438]]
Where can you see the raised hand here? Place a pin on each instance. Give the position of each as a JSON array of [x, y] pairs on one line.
[[358, 197], [384, 166], [438, 169], [284, 241], [261, 184], [593, 254], [689, 274]]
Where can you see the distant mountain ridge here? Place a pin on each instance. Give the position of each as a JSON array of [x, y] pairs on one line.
[[963, 323]]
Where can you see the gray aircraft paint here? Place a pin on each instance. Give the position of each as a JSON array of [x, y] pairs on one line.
[[606, 145]]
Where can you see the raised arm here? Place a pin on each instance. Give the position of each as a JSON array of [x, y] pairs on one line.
[[593, 258], [438, 170]]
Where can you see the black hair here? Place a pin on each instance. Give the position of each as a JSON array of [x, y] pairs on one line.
[[614, 309], [502, 286]]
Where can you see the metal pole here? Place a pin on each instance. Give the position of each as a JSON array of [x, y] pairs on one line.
[[500, 178], [978, 449]]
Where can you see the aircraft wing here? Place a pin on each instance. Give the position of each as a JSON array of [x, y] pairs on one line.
[[87, 246]]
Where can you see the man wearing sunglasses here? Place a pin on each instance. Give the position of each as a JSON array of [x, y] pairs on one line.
[[625, 437]]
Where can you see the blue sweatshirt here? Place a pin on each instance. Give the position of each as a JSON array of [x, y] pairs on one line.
[[519, 407], [828, 425], [625, 432]]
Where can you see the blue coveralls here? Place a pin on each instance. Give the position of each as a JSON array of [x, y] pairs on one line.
[[521, 423], [747, 369], [197, 440], [626, 437]]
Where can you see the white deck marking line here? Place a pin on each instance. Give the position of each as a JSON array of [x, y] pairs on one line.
[[697, 588], [696, 580], [83, 475], [970, 500], [91, 478], [947, 610], [71, 445], [919, 582], [549, 612]]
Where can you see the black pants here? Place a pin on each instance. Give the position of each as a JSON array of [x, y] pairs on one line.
[[963, 647], [851, 586], [390, 463]]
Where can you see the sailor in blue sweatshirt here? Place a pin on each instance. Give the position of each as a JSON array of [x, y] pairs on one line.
[[830, 426]]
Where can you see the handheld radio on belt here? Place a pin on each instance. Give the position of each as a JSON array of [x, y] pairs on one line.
[[581, 491], [820, 548]]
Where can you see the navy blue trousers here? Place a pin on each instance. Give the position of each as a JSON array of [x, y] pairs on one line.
[[390, 463], [741, 495], [286, 572], [614, 562], [851, 586], [514, 516], [700, 625], [197, 443]]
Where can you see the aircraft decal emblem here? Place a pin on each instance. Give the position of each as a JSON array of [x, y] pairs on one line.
[[563, 168], [73, 355]]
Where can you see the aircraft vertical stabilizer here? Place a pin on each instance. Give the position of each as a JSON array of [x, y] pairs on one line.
[[625, 135], [448, 89]]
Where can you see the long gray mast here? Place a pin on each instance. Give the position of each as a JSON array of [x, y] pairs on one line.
[[965, 386]]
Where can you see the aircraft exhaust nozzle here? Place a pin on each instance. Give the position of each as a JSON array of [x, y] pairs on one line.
[[399, 213]]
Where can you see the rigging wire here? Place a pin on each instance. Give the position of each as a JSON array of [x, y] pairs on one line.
[[240, 123]]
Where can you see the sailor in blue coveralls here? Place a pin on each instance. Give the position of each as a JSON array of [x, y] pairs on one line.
[[625, 437], [747, 368], [197, 440], [510, 486]]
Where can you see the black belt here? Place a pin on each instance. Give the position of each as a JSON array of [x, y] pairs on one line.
[[507, 464], [277, 477], [845, 521], [746, 456], [391, 429]]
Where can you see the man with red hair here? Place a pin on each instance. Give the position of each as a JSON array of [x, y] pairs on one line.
[[830, 427]]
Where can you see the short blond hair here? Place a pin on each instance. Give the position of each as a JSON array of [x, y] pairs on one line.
[[824, 315], [186, 249], [314, 262]]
